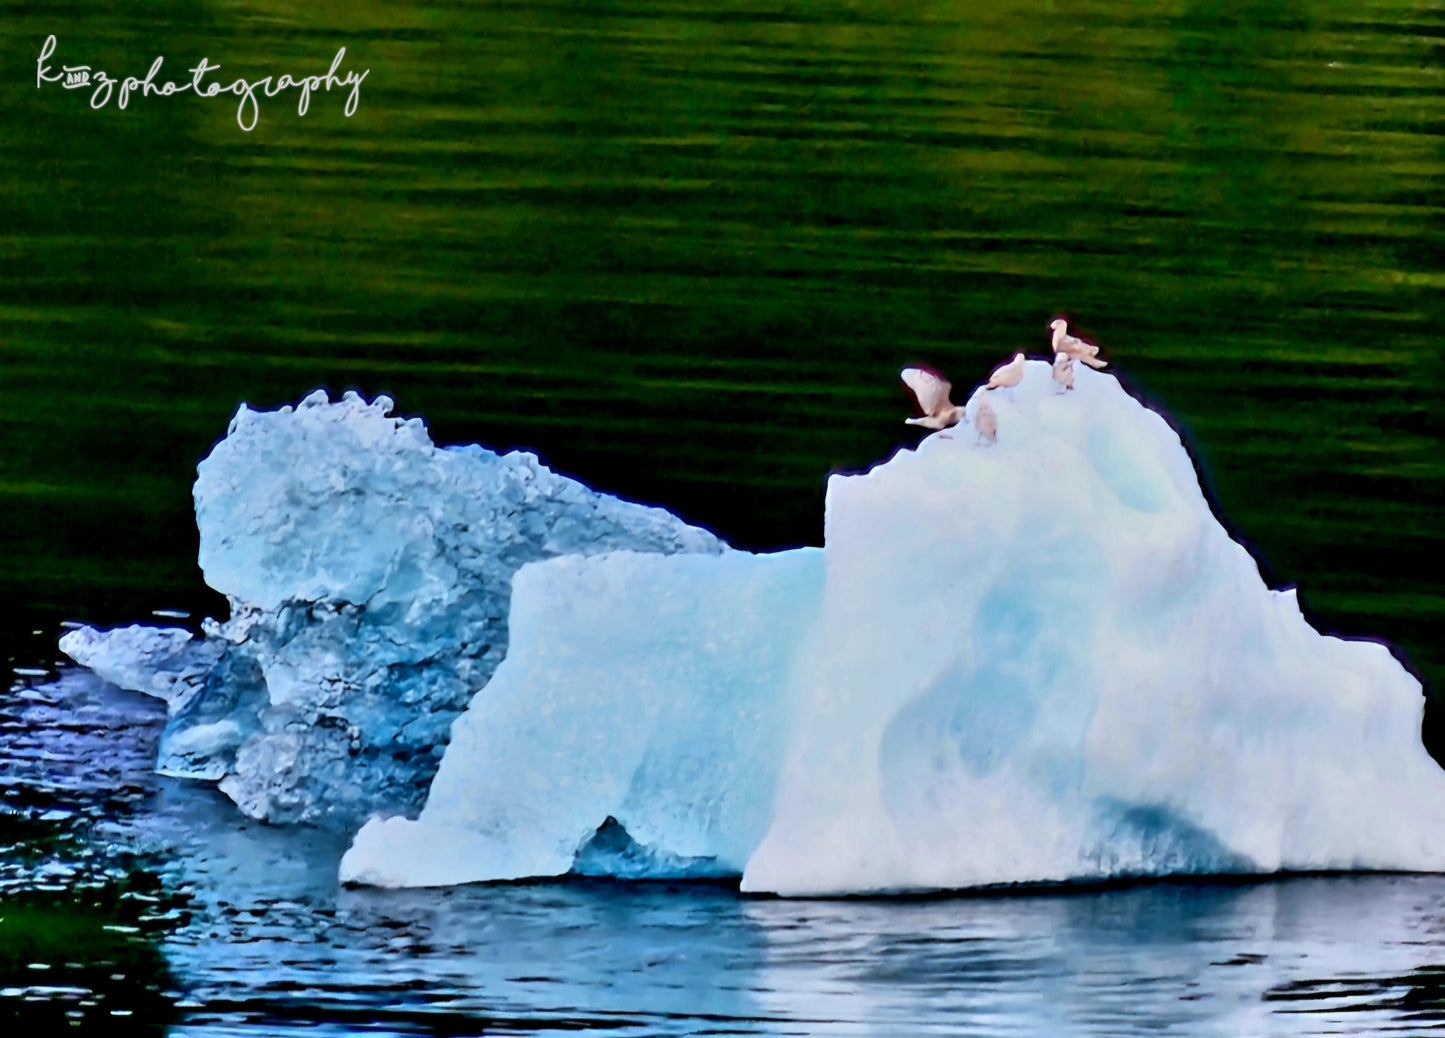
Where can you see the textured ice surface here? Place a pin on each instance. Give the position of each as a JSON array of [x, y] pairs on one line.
[[369, 574], [640, 688], [1040, 660], [165, 662]]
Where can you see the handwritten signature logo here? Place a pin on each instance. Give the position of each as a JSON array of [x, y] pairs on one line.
[[74, 77]]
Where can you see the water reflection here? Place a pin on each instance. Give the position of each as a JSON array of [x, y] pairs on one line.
[[79, 924], [548, 223], [1195, 959], [152, 898]]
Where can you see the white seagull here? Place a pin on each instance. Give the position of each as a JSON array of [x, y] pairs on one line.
[[931, 392], [985, 420], [1006, 376], [1076, 348], [1064, 371]]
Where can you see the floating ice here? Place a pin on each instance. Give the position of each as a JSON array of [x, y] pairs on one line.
[[1037, 660], [165, 662], [369, 574], [641, 688]]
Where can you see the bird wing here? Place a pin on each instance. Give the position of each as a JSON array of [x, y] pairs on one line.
[[931, 391], [1004, 371], [1084, 351]]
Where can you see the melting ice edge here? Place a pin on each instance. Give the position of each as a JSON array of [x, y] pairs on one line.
[[1037, 660]]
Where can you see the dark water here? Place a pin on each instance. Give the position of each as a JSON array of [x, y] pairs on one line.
[[683, 249], [144, 906]]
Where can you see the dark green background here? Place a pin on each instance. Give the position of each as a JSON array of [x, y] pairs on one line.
[[682, 249]]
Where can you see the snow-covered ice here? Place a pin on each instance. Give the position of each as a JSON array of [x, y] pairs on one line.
[[1042, 659]]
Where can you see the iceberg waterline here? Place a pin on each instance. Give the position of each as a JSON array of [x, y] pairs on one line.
[[1043, 660], [1040, 660]]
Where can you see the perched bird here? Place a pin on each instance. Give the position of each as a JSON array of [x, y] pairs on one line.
[[1008, 375], [1064, 371], [985, 420], [931, 391], [1076, 348]]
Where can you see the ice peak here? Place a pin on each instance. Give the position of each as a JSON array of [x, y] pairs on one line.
[[1044, 660]]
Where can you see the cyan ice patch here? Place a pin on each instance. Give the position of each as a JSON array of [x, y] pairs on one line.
[[368, 573]]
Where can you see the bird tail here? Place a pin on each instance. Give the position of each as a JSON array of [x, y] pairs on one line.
[[913, 421], [1094, 362]]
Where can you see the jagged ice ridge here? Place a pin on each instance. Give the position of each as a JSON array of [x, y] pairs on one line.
[[369, 574]]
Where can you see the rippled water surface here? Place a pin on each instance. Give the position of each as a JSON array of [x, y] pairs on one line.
[[162, 911], [682, 249]]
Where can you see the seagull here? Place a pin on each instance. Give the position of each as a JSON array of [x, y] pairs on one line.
[[931, 392], [985, 420], [1008, 375], [1075, 348], [1064, 371]]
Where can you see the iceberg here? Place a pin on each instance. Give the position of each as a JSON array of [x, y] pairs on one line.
[[1037, 661], [644, 689], [368, 573]]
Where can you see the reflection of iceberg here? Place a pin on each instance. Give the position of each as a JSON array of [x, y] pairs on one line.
[[369, 574], [1037, 661]]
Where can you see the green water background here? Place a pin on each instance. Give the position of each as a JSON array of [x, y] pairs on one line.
[[682, 249]]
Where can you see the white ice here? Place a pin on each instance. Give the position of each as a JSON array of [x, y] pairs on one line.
[[643, 688], [165, 662], [1037, 660]]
